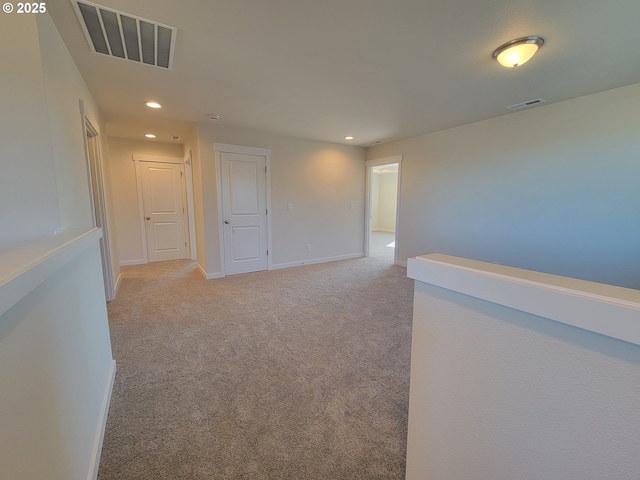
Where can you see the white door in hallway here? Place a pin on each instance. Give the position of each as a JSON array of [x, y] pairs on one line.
[[162, 199], [244, 212]]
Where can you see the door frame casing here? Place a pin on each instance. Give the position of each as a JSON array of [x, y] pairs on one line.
[[188, 178], [98, 201], [367, 204], [219, 149], [137, 158]]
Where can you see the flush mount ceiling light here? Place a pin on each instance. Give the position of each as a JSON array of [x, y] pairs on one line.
[[348, 137], [518, 51], [149, 135], [153, 105]]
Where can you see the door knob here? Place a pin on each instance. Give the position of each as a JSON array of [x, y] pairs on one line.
[[226, 222], [147, 218]]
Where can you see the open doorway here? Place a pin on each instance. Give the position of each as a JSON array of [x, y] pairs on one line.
[[383, 188]]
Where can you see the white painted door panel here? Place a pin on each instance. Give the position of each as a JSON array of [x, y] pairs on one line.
[[162, 199], [244, 207]]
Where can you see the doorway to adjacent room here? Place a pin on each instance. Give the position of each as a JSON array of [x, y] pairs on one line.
[[383, 180]]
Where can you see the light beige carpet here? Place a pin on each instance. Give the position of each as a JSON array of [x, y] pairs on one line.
[[299, 374]]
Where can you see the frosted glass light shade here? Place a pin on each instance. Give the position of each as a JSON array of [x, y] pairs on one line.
[[519, 51]]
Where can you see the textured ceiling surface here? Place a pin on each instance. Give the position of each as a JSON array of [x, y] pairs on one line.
[[375, 69]]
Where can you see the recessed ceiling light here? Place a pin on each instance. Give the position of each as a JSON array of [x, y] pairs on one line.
[[150, 135], [348, 137], [153, 105]]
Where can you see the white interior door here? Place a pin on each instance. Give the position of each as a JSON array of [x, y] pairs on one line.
[[162, 199], [244, 212]]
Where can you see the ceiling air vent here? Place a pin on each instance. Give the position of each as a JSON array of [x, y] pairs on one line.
[[530, 103], [125, 36]]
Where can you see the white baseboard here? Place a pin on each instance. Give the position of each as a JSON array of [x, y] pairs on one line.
[[210, 276], [314, 261], [126, 263], [97, 445], [117, 285]]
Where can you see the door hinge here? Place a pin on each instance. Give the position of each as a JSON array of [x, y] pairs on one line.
[[267, 252], [265, 169], [181, 173], [267, 210]]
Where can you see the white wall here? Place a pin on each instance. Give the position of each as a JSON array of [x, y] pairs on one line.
[[384, 198], [55, 352], [55, 371], [28, 196], [124, 191], [500, 394], [65, 88], [321, 180], [552, 189], [63, 82]]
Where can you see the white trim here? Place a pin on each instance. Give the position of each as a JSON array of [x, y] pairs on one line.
[[218, 167], [269, 214], [190, 217], [185, 211], [367, 204], [143, 227], [242, 150], [605, 309], [23, 269], [384, 161], [104, 411], [315, 261], [117, 285], [97, 197], [139, 157], [210, 276], [127, 263]]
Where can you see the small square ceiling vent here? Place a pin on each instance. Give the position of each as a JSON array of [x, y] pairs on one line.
[[125, 36]]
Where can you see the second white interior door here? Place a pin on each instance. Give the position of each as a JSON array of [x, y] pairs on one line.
[[244, 212], [162, 200]]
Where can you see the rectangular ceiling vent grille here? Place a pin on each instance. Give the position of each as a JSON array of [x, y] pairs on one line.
[[125, 36], [530, 103]]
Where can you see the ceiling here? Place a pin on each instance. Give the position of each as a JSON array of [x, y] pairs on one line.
[[374, 69]]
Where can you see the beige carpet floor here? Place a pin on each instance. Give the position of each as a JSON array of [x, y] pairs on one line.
[[299, 374]]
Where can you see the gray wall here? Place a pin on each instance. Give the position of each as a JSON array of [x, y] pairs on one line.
[[553, 189]]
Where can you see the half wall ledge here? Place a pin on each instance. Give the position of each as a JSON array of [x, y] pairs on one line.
[[23, 269], [604, 309]]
